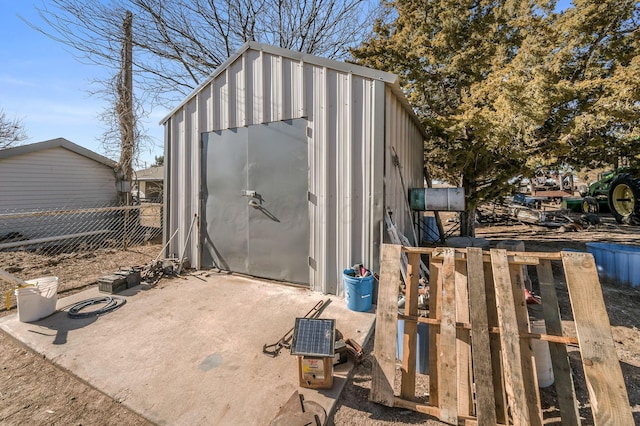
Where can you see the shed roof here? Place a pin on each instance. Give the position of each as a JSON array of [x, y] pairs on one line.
[[56, 143], [150, 174], [388, 78]]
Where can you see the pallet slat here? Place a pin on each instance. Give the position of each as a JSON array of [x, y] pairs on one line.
[[383, 369], [499, 391], [463, 343], [410, 340], [510, 339], [435, 309], [567, 401], [526, 354], [481, 352], [447, 385], [607, 391]]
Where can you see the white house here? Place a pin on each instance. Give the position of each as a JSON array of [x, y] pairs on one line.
[[51, 175], [54, 173], [149, 183]]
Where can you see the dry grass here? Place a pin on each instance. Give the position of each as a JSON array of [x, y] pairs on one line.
[[75, 270]]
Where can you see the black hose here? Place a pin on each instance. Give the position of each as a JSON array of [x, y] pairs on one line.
[[111, 304]]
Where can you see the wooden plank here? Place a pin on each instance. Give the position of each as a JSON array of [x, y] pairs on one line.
[[447, 386], [482, 371], [607, 391], [529, 255], [509, 339], [516, 258], [528, 364], [463, 342], [408, 384], [545, 337], [497, 379], [435, 310], [416, 406], [384, 351], [494, 330], [567, 400]]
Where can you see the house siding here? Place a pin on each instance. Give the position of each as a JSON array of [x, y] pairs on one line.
[[54, 178]]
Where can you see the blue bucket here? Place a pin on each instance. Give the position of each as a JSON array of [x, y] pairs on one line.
[[358, 291]]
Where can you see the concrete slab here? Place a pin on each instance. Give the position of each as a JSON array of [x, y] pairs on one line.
[[190, 351]]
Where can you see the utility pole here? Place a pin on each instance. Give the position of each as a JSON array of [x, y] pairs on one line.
[[124, 105], [126, 119]]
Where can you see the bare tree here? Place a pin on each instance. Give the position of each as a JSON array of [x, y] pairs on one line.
[[11, 131], [124, 134], [124, 105], [179, 43]]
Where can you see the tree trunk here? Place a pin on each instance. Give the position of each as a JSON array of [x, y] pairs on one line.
[[468, 216], [468, 223], [124, 107]]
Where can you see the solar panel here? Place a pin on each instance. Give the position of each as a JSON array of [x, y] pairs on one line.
[[313, 337]]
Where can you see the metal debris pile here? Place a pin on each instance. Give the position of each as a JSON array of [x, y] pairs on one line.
[[524, 211], [158, 269]]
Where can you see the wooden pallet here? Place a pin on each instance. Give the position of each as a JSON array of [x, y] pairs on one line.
[[481, 366]]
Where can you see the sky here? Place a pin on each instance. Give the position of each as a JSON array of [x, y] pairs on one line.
[[45, 86]]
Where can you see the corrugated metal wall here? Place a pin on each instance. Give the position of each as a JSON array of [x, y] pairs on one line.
[[349, 118], [405, 137]]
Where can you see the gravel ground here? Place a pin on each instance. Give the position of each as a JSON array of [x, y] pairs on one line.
[[36, 392]]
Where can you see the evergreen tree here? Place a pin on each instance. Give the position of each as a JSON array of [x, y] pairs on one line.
[[593, 59], [505, 87], [455, 59]]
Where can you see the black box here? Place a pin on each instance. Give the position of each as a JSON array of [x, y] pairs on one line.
[[340, 355], [131, 275], [112, 283]]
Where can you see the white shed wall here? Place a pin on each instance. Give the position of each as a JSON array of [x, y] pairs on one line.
[[402, 134], [349, 118], [54, 178]]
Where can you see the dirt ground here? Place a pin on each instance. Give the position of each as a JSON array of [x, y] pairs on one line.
[[36, 392]]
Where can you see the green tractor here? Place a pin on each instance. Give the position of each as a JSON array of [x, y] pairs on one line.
[[618, 192]]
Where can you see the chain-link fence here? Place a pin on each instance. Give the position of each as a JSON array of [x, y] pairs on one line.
[[64, 230], [77, 244]]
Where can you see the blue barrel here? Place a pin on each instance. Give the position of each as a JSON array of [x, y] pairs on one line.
[[358, 290], [422, 349], [619, 263], [430, 232]]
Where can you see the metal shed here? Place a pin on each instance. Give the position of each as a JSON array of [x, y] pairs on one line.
[[283, 161]]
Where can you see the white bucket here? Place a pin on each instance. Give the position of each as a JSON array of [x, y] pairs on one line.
[[39, 301], [544, 370]]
